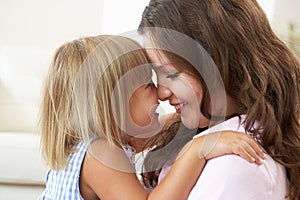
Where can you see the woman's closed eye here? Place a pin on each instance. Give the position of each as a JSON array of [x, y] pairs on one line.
[[173, 75]]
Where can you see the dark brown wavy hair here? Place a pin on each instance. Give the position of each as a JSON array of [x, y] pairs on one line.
[[259, 72]]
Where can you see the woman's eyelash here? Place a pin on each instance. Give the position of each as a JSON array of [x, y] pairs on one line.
[[174, 75]]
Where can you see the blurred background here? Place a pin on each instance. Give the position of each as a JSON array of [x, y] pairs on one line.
[[30, 31]]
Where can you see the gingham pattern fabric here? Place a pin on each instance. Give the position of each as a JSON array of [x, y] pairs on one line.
[[64, 184]]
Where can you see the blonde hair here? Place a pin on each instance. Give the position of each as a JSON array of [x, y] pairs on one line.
[[86, 93]]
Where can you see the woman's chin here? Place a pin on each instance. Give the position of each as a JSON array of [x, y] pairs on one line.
[[190, 123]]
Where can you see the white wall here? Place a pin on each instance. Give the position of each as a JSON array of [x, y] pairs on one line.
[[122, 16], [281, 13], [47, 24], [268, 7], [286, 12], [31, 30]]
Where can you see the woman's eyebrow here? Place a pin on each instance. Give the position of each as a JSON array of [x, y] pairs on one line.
[[162, 65], [157, 65]]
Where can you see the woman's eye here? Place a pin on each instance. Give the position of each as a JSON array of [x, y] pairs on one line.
[[174, 75]]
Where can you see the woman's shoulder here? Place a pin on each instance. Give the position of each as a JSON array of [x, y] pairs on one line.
[[236, 168], [250, 178]]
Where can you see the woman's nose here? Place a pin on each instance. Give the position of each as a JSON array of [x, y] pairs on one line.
[[163, 92]]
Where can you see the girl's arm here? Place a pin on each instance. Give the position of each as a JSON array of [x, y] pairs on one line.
[[110, 175], [186, 170]]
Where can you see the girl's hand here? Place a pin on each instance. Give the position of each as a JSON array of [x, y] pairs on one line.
[[230, 142]]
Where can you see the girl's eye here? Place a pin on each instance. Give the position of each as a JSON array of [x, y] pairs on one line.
[[149, 84], [174, 75]]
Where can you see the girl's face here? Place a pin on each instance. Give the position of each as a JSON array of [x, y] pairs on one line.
[[142, 109], [183, 91]]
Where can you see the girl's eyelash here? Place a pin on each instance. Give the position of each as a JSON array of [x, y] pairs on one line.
[[149, 84], [174, 75]]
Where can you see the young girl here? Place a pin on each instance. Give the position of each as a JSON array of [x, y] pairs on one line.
[[98, 95], [261, 77]]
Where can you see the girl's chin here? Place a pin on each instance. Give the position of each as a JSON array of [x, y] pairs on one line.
[[147, 130]]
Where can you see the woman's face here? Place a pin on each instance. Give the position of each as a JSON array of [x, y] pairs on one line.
[[183, 90]]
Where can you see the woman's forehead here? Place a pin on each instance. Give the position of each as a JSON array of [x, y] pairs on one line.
[[157, 56], [166, 68]]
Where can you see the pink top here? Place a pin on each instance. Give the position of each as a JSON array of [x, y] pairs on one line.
[[230, 177]]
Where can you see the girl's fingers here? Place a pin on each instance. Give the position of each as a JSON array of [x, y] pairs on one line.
[[240, 150], [248, 148], [255, 146], [231, 142]]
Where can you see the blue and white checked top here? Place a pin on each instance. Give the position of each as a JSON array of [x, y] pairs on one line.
[[64, 184]]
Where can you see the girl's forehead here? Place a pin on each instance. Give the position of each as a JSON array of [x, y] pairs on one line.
[[143, 74]]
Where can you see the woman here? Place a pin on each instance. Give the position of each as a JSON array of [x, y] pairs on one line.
[[259, 74]]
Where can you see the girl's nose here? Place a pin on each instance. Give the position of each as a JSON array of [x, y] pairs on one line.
[[163, 92]]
